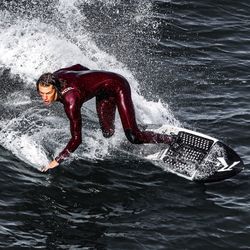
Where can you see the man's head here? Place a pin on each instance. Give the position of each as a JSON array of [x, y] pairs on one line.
[[47, 87]]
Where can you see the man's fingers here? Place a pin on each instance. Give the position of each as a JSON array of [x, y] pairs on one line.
[[52, 164], [44, 169]]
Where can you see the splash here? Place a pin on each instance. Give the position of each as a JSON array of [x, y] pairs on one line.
[[24, 146], [36, 40]]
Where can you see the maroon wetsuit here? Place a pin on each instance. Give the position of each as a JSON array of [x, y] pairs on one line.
[[79, 84]]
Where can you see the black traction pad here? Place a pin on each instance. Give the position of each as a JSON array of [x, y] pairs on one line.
[[189, 147]]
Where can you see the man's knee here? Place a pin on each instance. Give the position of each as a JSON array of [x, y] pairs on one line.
[[131, 136], [109, 133]]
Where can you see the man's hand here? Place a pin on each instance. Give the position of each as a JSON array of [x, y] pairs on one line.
[[52, 164]]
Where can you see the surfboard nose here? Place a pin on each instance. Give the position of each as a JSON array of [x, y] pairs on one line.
[[227, 166]]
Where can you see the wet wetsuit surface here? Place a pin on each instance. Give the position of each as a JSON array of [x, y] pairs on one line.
[[79, 84]]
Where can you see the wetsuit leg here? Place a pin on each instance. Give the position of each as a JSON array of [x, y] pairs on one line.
[[127, 114], [106, 107]]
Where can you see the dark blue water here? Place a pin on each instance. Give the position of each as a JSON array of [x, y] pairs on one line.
[[187, 63]]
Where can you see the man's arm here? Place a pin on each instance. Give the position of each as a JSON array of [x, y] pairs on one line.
[[72, 108]]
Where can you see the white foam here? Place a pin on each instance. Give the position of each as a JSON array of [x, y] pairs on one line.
[[17, 98], [30, 47], [24, 147]]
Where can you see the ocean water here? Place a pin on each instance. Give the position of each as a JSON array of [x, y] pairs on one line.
[[187, 63]]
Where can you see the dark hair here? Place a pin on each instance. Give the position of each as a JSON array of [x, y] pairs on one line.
[[48, 79]]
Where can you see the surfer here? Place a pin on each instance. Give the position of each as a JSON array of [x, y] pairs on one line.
[[72, 86]]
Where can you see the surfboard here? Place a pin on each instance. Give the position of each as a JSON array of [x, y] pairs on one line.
[[196, 156]]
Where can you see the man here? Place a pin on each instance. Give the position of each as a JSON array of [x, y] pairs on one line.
[[75, 85]]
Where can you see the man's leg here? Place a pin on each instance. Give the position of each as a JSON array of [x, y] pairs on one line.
[[106, 107], [127, 114]]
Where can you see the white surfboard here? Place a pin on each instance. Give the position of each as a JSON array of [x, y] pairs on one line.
[[196, 156]]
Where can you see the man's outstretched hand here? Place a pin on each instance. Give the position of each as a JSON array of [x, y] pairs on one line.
[[52, 164]]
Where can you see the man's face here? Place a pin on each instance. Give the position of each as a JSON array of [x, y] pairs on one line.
[[47, 93]]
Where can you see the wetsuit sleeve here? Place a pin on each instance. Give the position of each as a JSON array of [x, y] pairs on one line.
[[72, 108]]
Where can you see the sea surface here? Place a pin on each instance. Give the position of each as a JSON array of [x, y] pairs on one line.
[[188, 65]]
